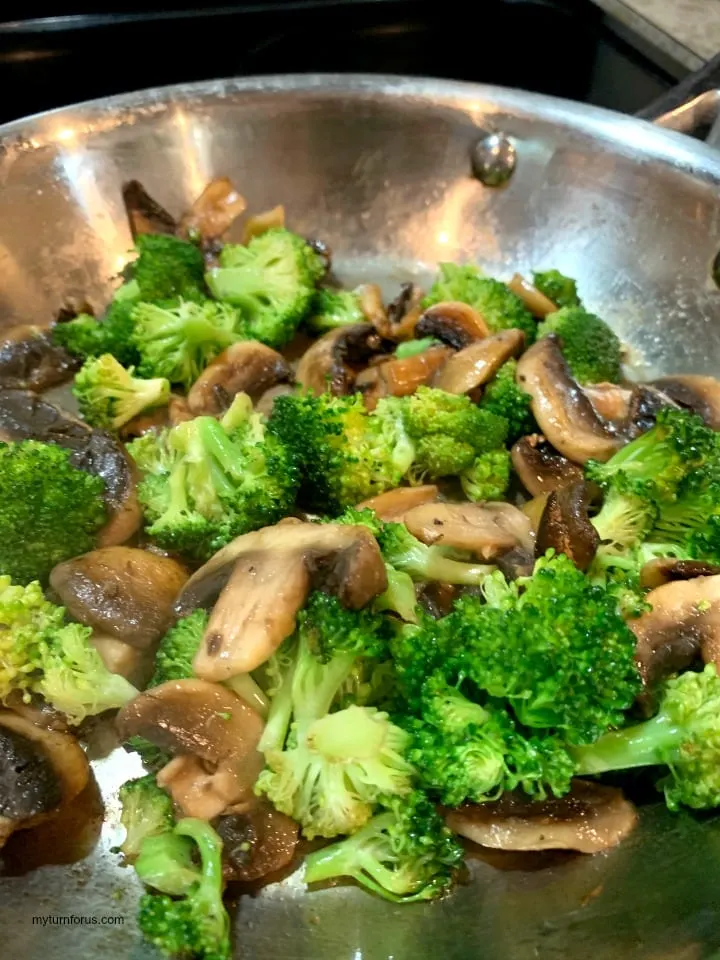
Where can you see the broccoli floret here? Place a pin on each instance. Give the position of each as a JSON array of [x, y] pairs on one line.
[[683, 737], [52, 512], [328, 769], [489, 476], [197, 924], [153, 758], [432, 415], [500, 307], [558, 288], [593, 352], [206, 481], [334, 308], [178, 340], [40, 653], [406, 553], [625, 519], [146, 811], [85, 336], [173, 660], [503, 397], [109, 395], [272, 280], [165, 863], [167, 269], [412, 347], [404, 853]]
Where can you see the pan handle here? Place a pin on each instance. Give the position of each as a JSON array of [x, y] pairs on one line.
[[693, 106]]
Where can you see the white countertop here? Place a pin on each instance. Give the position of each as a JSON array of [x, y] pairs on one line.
[[688, 31]]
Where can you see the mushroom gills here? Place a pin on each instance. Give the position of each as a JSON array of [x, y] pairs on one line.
[[452, 322]]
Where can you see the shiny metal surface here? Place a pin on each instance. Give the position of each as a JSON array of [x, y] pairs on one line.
[[380, 169]]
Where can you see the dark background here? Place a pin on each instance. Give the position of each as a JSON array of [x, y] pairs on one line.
[[52, 54]]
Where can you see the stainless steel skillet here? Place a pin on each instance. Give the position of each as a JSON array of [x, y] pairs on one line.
[[379, 168]]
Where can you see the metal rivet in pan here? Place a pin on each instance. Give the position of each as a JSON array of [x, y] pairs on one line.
[[493, 159]]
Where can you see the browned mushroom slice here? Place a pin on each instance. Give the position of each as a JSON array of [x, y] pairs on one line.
[[610, 401], [246, 367], [145, 215], [371, 304], [122, 591], [143, 423], [662, 570], [214, 211], [257, 843], [394, 504], [537, 303], [565, 526], [41, 770], [402, 314], [260, 223], [30, 360], [178, 410], [540, 467], [683, 622], [454, 323], [331, 363], [474, 365], [214, 735], [25, 416], [694, 392], [563, 412], [399, 377], [590, 818], [271, 571], [485, 530]]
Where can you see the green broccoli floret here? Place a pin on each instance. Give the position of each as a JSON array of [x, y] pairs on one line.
[[500, 307], [625, 519], [196, 925], [109, 395], [335, 308], [684, 736], [502, 396], [85, 336], [593, 352], [40, 653], [178, 340], [412, 347], [173, 660], [431, 414], [53, 511], [146, 811], [328, 769], [558, 288], [272, 280], [167, 269], [152, 757], [489, 476], [206, 481], [404, 854], [406, 553]]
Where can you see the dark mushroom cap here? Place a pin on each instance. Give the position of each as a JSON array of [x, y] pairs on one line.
[[540, 467], [28, 782], [29, 360], [145, 215], [257, 843], [565, 526]]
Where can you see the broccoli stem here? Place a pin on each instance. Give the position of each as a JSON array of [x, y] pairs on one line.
[[352, 858], [643, 745], [439, 567], [247, 689]]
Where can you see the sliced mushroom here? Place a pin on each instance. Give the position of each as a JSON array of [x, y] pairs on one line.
[[662, 570], [694, 392], [474, 365], [25, 416], [371, 304], [394, 504], [122, 591], [537, 303], [214, 735], [610, 401], [332, 362], [683, 623], [540, 467], [436, 598], [400, 377], [41, 771], [262, 222], [130, 662], [257, 843], [267, 401], [29, 360], [178, 410], [454, 323], [646, 402], [565, 526], [562, 410], [267, 576], [485, 530], [214, 211], [246, 367], [590, 818], [145, 215], [402, 314], [143, 423]]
